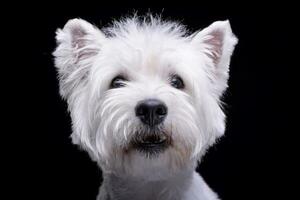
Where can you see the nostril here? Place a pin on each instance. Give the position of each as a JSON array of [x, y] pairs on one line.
[[141, 110], [161, 110]]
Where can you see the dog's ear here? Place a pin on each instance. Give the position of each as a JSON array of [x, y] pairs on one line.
[[217, 43], [77, 45]]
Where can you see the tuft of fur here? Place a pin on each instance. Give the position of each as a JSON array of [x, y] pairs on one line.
[[147, 51]]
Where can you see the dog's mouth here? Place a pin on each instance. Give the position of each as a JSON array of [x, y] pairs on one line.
[[151, 144], [152, 141]]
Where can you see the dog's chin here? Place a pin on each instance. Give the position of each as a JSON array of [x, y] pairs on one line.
[[151, 145]]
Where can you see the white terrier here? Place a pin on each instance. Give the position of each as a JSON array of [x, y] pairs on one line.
[[144, 98]]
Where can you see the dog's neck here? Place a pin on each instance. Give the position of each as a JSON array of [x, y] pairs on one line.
[[116, 187]]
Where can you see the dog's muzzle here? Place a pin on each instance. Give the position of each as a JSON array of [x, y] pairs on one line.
[[151, 139]]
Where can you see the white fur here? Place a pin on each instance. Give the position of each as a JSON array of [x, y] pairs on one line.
[[147, 51]]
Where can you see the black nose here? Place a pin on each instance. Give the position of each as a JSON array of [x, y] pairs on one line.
[[151, 111]]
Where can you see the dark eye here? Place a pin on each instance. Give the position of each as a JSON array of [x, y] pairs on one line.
[[118, 82], [177, 82]]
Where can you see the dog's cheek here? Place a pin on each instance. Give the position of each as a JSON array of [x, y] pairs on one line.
[[182, 125], [212, 120], [114, 132], [180, 155]]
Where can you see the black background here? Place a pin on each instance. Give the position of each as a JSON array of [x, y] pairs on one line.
[[245, 164]]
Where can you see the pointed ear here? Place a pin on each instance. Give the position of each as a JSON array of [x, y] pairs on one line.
[[217, 43], [77, 45]]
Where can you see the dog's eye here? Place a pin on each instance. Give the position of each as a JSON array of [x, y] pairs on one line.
[[118, 82], [177, 82]]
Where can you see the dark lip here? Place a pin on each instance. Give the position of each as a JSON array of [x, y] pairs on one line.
[[151, 145], [151, 140]]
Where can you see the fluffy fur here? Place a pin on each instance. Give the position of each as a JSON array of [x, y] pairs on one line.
[[147, 51]]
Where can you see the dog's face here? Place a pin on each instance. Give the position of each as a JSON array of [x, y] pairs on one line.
[[143, 96]]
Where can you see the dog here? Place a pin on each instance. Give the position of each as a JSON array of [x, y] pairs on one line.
[[144, 97]]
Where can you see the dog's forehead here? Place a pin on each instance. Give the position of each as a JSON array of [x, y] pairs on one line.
[[147, 56], [153, 61]]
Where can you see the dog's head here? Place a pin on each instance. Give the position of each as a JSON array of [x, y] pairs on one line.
[[144, 96]]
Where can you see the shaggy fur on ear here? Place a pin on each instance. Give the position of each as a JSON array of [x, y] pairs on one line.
[[217, 42], [77, 44]]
